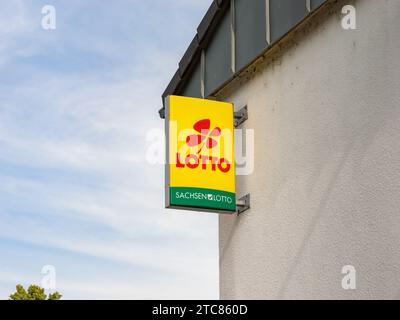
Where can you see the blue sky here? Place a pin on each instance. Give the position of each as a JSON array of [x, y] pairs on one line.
[[76, 190]]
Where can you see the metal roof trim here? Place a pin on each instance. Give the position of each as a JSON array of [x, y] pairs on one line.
[[205, 31]]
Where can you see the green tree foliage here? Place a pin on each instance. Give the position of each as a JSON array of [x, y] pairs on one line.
[[34, 292]]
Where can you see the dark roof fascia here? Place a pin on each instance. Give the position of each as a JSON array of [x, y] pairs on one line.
[[211, 20], [188, 56], [204, 34], [173, 84]]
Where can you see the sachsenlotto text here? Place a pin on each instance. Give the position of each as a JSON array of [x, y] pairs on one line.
[[200, 155]]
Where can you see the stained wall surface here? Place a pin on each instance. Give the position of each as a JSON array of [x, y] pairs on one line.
[[325, 191]]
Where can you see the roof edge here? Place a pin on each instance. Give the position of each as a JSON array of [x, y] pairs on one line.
[[204, 34]]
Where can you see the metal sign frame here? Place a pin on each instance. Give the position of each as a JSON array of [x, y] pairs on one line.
[[242, 204]]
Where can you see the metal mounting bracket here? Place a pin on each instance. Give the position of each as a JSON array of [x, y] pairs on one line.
[[241, 116], [243, 204]]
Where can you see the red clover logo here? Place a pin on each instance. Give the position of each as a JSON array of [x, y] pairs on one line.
[[205, 136]]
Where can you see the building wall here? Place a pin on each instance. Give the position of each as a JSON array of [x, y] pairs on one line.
[[325, 191]]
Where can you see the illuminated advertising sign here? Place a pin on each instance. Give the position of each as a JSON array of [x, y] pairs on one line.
[[200, 167]]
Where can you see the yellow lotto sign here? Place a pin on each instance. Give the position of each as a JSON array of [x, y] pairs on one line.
[[200, 169]]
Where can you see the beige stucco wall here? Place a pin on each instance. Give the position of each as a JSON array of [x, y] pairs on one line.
[[326, 186]]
